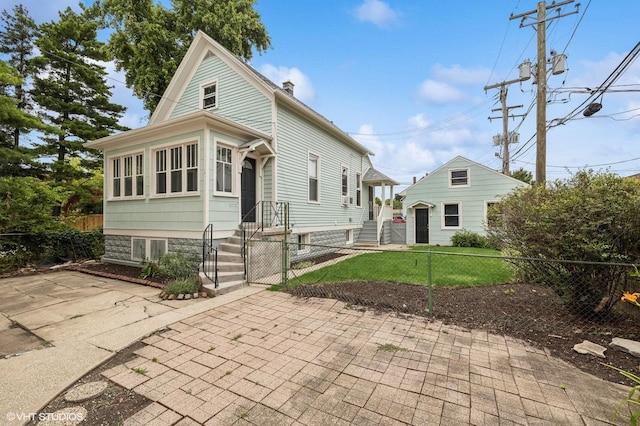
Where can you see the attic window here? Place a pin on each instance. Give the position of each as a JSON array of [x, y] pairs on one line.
[[210, 95], [459, 177]]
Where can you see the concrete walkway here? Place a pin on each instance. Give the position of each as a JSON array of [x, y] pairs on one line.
[[83, 321], [272, 359]]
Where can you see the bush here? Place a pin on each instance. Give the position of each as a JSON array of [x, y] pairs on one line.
[[172, 265], [183, 285], [465, 238], [591, 220], [18, 250]]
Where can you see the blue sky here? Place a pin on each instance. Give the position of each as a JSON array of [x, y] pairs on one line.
[[406, 78]]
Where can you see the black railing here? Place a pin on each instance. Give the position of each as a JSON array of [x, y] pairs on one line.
[[209, 256], [268, 215]]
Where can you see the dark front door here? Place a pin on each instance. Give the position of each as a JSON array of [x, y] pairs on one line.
[[248, 190], [372, 200], [422, 226]]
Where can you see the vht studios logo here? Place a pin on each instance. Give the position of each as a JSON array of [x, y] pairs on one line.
[[57, 417]]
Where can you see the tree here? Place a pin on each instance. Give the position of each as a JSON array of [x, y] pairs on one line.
[[16, 160], [71, 91], [591, 220], [149, 41], [523, 175], [16, 43]]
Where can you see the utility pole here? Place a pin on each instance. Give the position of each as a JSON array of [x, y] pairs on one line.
[[506, 138], [541, 72]]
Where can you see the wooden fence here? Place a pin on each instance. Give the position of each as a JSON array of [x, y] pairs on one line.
[[89, 222]]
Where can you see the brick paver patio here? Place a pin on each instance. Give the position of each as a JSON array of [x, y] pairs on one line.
[[272, 359]]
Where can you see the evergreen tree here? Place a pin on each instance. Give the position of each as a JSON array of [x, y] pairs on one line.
[[17, 35], [15, 160], [71, 91]]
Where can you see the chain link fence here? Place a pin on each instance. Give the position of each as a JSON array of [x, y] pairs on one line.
[[544, 298]]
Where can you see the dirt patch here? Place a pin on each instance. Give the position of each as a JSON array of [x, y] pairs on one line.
[[113, 406], [15, 340]]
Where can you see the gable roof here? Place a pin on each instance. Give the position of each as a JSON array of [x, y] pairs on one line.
[[200, 48], [471, 162], [373, 176]]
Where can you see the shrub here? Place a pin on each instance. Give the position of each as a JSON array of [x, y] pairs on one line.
[[591, 219], [177, 265], [183, 285], [465, 238], [171, 265]]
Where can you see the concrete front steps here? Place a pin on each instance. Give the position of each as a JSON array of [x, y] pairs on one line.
[[368, 234], [230, 268]]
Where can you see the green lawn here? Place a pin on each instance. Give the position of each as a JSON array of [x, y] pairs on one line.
[[450, 266]]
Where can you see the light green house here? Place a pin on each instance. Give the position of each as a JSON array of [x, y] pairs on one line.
[[454, 197], [225, 150]]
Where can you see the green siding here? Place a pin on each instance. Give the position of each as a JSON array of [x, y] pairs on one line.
[[485, 185], [181, 213], [296, 138], [238, 100]]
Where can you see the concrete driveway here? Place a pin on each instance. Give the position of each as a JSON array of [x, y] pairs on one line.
[[56, 327]]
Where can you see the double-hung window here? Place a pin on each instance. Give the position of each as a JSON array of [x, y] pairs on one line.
[[345, 181], [314, 182], [451, 215], [127, 176], [210, 95], [176, 169], [224, 168]]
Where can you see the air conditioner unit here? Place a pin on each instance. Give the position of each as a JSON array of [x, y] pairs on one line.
[[345, 200]]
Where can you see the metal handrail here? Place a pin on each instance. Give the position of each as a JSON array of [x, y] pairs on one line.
[[207, 250]]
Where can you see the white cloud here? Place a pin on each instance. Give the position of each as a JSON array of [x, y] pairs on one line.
[[303, 89], [440, 93], [377, 12]]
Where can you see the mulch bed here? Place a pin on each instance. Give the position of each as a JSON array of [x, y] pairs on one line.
[[528, 312]]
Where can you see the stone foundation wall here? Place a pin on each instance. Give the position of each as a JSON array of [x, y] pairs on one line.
[[117, 248]]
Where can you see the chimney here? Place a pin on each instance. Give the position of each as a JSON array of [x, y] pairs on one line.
[[414, 179], [288, 87]]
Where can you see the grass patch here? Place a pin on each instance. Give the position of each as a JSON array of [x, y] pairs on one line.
[[183, 286], [450, 266], [390, 347]]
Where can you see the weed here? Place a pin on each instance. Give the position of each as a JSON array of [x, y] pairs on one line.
[[183, 285], [154, 359], [509, 291], [139, 370], [212, 348], [390, 347], [237, 336], [77, 316]]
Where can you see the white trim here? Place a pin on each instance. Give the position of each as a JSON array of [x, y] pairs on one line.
[[317, 156], [442, 222], [234, 168], [421, 204], [109, 176], [349, 236], [312, 229], [459, 169], [359, 189], [342, 169], [306, 241], [203, 86], [486, 209], [147, 247], [167, 146], [152, 233], [207, 176]]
